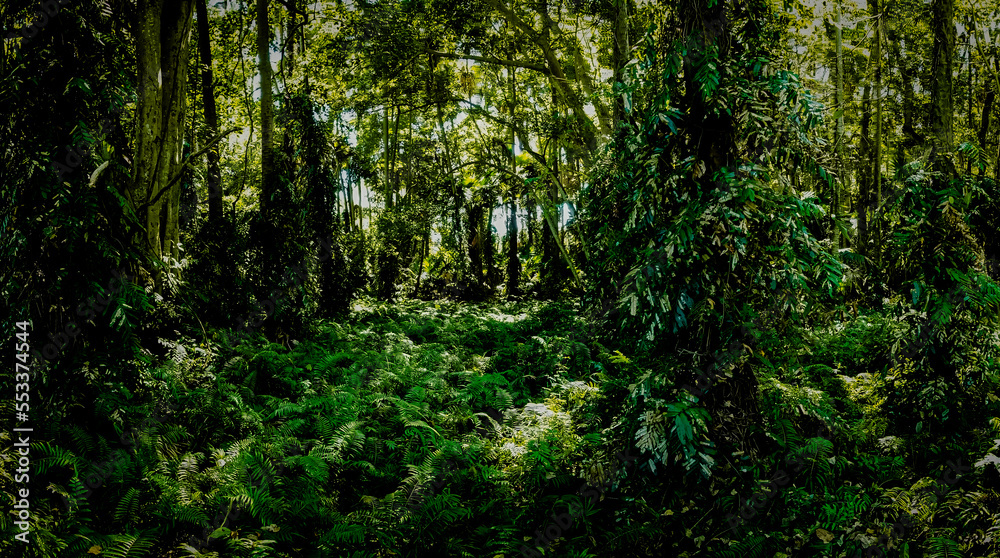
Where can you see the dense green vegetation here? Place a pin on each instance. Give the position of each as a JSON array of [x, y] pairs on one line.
[[499, 278]]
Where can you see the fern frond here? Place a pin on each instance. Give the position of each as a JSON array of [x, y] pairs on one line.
[[130, 546]]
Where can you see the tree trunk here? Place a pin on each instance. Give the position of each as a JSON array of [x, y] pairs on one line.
[[489, 251], [712, 133], [552, 268], [513, 261], [162, 43], [942, 103], [839, 143], [876, 160], [476, 213], [388, 158], [268, 190], [984, 123], [864, 170], [211, 116], [620, 52]]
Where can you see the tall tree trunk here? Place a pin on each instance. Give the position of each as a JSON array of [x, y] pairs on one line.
[[162, 46], [876, 160], [552, 270], [984, 123], [865, 170], [513, 261], [489, 250], [268, 190], [211, 116], [970, 85], [476, 211], [620, 52], [942, 103], [290, 38], [837, 195], [395, 156], [388, 159], [458, 195]]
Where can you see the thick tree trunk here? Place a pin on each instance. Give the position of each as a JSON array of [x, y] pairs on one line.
[[162, 43], [211, 116], [942, 103], [712, 132]]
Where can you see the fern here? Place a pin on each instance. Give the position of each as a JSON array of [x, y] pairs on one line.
[[750, 547], [817, 453], [129, 546], [128, 506], [940, 547]]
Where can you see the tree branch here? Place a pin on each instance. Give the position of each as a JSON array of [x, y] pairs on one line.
[[180, 172], [490, 60]]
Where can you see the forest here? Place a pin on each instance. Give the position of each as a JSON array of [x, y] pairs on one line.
[[500, 278]]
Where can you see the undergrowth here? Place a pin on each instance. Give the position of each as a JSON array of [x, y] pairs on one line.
[[439, 429]]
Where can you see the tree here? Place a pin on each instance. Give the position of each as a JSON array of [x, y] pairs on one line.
[[162, 46]]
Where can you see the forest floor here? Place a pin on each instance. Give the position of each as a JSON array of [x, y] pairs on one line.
[[444, 429]]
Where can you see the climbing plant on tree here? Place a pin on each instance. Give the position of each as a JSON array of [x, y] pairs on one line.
[[693, 211]]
